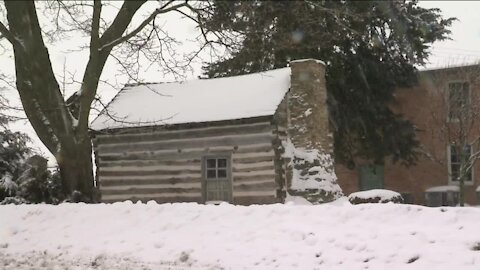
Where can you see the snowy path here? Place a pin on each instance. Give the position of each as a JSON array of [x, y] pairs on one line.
[[47, 261], [191, 236]]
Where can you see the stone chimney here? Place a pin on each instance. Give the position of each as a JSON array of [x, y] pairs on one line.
[[307, 105], [309, 144]]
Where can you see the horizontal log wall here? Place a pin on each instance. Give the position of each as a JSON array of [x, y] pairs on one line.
[[166, 165], [281, 120]]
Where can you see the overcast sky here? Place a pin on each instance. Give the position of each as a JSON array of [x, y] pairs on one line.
[[465, 44], [463, 48]]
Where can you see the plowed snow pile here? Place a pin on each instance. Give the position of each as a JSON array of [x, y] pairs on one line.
[[191, 236]]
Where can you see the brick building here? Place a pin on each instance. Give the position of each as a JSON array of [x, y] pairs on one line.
[[431, 107]]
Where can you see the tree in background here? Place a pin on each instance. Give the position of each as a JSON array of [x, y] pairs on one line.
[[370, 48], [62, 125], [24, 177], [13, 153]]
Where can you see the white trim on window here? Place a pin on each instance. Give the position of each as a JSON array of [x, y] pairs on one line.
[[449, 158], [217, 168]]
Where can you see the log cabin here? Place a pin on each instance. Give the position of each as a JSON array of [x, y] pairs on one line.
[[249, 139]]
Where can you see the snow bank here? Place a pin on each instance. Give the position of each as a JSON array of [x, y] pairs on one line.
[[298, 200], [380, 195], [194, 101], [191, 236]]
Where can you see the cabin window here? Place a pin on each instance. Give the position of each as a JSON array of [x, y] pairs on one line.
[[458, 99], [216, 168], [455, 161]]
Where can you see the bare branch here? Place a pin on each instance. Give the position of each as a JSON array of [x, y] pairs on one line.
[[98, 59], [149, 19], [167, 4], [6, 33], [200, 25], [76, 19], [97, 9], [118, 119]]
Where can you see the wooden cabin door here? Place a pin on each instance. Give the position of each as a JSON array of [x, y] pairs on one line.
[[217, 182]]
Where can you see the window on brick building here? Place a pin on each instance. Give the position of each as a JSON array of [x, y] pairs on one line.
[[441, 198], [458, 99], [455, 162]]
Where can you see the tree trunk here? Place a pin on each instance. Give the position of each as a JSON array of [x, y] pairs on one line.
[[75, 163], [64, 133], [461, 191], [44, 103]]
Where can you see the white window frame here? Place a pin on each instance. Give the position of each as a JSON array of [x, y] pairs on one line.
[[227, 168], [449, 158], [469, 97]]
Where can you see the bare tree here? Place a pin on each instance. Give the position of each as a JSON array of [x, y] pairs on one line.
[[63, 126], [454, 124]]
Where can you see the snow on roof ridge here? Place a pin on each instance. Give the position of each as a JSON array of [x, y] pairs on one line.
[[207, 79], [143, 83], [449, 67], [308, 59]]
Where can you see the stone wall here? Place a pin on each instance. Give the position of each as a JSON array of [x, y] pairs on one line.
[[309, 171], [307, 106]]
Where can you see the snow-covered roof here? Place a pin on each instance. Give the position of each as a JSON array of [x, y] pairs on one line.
[[206, 100], [307, 60], [443, 189], [439, 68]]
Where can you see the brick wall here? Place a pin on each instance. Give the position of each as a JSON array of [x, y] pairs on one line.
[[424, 105]]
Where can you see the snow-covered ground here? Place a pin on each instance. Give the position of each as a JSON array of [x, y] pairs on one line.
[[191, 236]]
